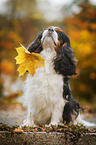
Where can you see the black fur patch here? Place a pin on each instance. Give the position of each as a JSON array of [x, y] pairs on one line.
[[67, 94], [63, 38], [64, 62], [71, 108], [36, 46]]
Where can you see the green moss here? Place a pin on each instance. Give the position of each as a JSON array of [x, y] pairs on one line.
[[71, 132], [60, 128], [5, 127]]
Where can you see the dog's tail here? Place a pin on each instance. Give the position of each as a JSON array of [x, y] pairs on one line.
[[79, 120]]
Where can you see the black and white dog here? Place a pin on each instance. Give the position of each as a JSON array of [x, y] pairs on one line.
[[47, 94]]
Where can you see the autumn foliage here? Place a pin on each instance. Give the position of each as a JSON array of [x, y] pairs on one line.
[[81, 29], [82, 32]]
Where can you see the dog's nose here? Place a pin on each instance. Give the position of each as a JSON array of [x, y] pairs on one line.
[[50, 30]]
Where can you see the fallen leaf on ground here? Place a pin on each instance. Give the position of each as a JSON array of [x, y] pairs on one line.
[[62, 125], [18, 130]]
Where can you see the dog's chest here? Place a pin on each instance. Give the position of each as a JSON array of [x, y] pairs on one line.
[[45, 89], [51, 83]]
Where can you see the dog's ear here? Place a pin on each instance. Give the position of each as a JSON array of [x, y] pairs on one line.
[[65, 62], [36, 45]]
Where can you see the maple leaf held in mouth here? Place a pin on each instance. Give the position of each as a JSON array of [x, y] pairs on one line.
[[28, 61]]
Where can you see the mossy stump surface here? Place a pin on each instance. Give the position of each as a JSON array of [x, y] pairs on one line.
[[41, 135]]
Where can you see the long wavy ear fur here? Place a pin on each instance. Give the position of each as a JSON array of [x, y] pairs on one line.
[[65, 62], [36, 45]]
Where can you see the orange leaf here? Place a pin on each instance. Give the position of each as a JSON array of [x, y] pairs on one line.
[[18, 130]]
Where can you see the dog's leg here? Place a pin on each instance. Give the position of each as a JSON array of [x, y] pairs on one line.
[[56, 117], [29, 121]]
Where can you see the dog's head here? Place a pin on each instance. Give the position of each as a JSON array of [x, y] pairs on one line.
[[55, 38], [52, 37]]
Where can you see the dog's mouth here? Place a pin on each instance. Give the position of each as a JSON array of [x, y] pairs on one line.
[[53, 40], [50, 36]]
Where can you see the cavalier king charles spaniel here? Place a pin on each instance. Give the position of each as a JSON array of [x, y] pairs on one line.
[[47, 94]]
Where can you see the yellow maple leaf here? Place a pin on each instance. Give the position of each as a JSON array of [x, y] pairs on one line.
[[28, 61]]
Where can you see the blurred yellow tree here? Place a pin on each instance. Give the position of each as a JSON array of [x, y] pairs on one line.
[[81, 29], [22, 23], [15, 26], [19, 24]]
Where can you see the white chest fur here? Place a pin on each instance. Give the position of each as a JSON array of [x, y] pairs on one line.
[[43, 92]]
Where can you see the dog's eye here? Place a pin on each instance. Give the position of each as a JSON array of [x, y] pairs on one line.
[[50, 30]]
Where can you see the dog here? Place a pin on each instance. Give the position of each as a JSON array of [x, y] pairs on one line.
[[47, 94]]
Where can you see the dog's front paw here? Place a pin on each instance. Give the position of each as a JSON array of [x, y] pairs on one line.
[[53, 123], [28, 123]]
